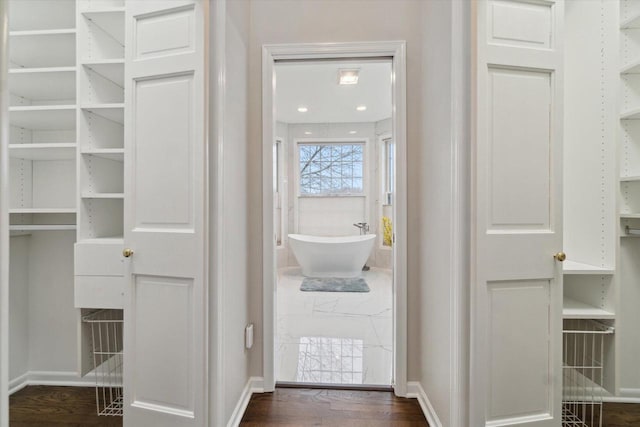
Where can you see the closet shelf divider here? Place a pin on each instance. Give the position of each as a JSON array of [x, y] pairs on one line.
[[631, 22], [42, 210], [30, 33], [573, 309], [631, 68], [113, 112], [633, 114], [50, 151], [573, 267], [90, 195]]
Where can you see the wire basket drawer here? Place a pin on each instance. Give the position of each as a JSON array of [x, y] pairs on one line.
[[106, 337], [583, 349]]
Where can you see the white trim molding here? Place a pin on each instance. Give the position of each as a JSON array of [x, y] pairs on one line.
[[396, 51], [216, 81], [254, 385], [51, 378], [4, 214], [415, 391]]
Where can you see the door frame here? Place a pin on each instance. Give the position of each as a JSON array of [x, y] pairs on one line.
[[396, 51], [4, 215]]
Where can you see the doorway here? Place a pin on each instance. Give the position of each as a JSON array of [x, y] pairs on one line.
[[334, 168]]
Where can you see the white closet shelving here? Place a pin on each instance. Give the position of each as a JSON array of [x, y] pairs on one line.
[[101, 95], [590, 179], [99, 271], [628, 277], [42, 81], [42, 86]]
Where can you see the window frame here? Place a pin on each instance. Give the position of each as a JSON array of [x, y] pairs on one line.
[[364, 142]]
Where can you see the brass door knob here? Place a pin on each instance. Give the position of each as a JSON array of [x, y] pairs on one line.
[[127, 252], [560, 256]]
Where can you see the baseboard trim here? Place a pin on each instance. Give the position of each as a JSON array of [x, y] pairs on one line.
[[254, 385], [52, 378], [415, 391], [627, 395]]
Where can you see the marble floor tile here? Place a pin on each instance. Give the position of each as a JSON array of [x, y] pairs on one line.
[[334, 337]]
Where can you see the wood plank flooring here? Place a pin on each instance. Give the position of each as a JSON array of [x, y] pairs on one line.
[[57, 406], [40, 406], [346, 408]]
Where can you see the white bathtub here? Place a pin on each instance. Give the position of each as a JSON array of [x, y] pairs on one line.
[[331, 256]]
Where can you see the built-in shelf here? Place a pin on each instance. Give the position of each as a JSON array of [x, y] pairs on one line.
[[573, 309], [43, 117], [104, 240], [43, 48], [89, 195], [629, 178], [50, 84], [42, 14], [53, 151], [33, 33], [113, 112], [631, 22], [116, 154], [41, 227], [631, 114], [630, 215], [631, 68], [110, 20], [572, 267], [42, 210], [111, 69]]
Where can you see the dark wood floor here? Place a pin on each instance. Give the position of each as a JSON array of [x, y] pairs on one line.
[[314, 407], [57, 406], [40, 406], [620, 415]]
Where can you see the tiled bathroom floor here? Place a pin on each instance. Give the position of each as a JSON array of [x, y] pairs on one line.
[[334, 337]]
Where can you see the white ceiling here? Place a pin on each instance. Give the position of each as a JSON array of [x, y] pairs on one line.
[[315, 86]]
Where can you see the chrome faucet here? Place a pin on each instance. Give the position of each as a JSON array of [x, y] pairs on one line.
[[363, 226]]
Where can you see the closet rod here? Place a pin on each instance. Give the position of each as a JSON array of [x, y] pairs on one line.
[[632, 231]]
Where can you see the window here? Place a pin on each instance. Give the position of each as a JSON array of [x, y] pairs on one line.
[[330, 169], [277, 190], [389, 173]]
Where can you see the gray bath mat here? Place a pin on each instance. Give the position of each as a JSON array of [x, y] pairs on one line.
[[334, 284]]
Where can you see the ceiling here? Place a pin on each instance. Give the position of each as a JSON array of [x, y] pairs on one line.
[[315, 85]]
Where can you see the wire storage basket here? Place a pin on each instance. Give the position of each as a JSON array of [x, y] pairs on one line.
[[582, 368], [106, 336]]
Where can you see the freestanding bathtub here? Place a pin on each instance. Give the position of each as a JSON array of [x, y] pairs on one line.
[[331, 256]]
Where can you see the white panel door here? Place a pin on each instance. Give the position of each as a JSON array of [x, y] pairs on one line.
[[165, 362], [516, 374]]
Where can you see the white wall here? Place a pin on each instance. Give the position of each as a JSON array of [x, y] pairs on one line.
[[444, 256], [429, 156], [234, 207], [43, 320], [53, 321], [19, 307]]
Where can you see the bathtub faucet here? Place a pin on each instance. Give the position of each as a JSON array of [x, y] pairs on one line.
[[363, 226]]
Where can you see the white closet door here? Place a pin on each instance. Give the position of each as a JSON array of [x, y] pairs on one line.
[[516, 283], [165, 362]]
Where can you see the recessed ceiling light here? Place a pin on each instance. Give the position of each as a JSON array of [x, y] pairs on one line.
[[302, 109], [348, 76], [352, 132], [361, 107], [307, 133]]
